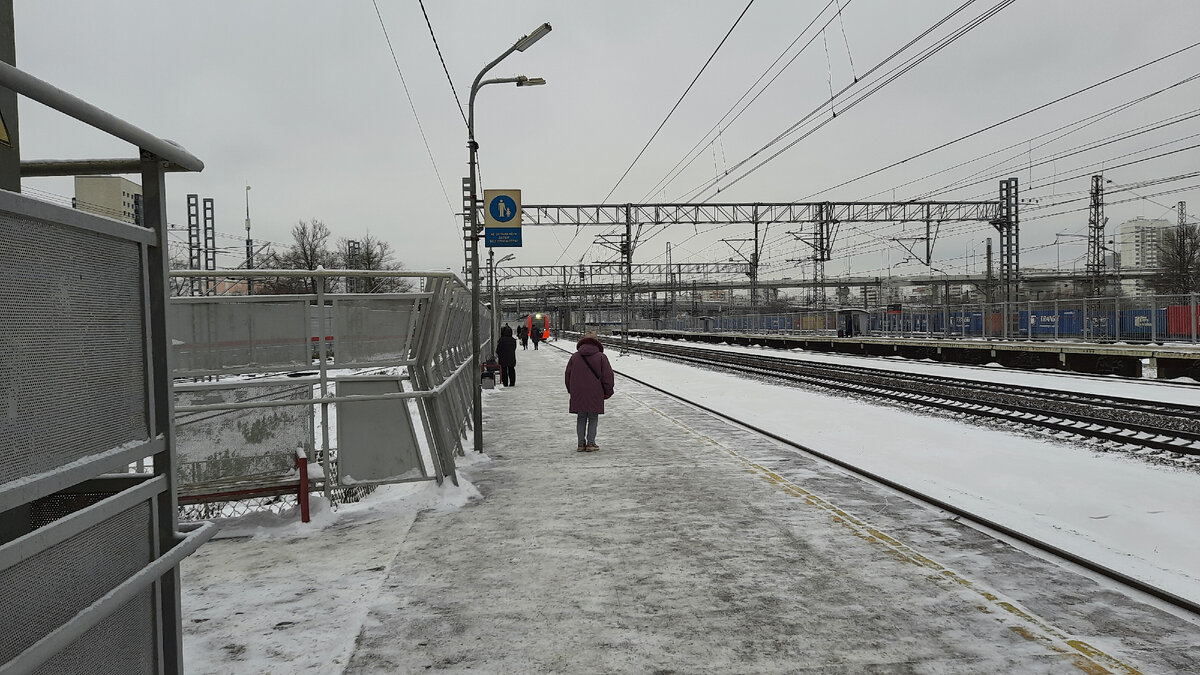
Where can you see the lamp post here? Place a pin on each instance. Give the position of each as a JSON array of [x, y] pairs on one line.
[[472, 149], [495, 292], [249, 246]]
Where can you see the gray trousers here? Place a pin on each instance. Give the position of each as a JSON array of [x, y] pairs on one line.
[[585, 426]]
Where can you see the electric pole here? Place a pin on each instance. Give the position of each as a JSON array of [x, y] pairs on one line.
[[1096, 222]]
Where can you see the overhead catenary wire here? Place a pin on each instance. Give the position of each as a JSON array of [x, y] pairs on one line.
[[677, 103], [1071, 152], [873, 87], [846, 40], [416, 117], [696, 191], [443, 60], [1068, 129], [883, 242], [664, 122], [720, 125], [1007, 120]]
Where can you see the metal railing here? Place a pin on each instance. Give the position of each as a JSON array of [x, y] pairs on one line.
[[89, 554], [292, 343]]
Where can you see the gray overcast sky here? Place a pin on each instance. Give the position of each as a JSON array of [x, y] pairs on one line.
[[301, 100]]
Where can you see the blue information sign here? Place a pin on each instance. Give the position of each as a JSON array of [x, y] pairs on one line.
[[502, 218], [497, 237]]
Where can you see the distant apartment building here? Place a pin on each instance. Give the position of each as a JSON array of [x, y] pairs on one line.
[[1138, 240], [110, 196]]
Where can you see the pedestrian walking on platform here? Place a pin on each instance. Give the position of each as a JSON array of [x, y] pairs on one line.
[[523, 334], [506, 352], [589, 380], [536, 336]]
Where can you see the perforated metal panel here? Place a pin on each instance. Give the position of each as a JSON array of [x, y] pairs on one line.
[[376, 439], [373, 329], [230, 334], [59, 408], [122, 643], [50, 587]]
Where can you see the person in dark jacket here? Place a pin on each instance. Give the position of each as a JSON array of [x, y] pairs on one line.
[[536, 336], [589, 380], [506, 351], [523, 333]]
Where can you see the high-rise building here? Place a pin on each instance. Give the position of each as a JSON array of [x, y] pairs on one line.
[[1138, 239], [110, 196]]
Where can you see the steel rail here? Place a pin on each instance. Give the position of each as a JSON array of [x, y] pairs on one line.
[[1023, 404]]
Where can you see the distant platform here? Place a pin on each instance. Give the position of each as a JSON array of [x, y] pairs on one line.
[[1170, 360]]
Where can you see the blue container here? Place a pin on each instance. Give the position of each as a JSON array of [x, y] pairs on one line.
[[1143, 324]]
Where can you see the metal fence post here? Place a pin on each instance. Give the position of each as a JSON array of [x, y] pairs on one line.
[[1192, 298], [1117, 317], [319, 287]]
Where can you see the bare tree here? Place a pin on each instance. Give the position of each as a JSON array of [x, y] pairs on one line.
[[370, 253], [178, 260], [1179, 261], [308, 251]]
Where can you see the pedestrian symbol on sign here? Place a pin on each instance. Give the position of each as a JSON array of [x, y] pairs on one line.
[[502, 217], [503, 208]]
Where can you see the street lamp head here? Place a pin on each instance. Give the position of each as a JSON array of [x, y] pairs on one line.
[[537, 34], [523, 81], [507, 257]]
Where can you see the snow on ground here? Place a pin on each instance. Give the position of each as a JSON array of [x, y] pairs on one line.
[[273, 595], [1122, 512]]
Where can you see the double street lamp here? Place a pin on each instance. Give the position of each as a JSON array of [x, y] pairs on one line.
[[472, 224]]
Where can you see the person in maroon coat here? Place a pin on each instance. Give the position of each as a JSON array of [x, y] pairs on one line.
[[589, 381]]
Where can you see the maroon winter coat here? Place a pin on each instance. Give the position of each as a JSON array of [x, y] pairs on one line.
[[588, 391]]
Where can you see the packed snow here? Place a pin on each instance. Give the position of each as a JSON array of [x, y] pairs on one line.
[[274, 595]]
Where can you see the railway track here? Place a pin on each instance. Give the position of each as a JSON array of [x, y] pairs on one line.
[[709, 359], [1147, 424]]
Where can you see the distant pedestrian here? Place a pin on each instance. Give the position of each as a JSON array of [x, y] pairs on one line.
[[506, 352], [589, 379], [523, 334], [536, 336]]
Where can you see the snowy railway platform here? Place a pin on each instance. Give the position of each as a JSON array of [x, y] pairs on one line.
[[686, 544]]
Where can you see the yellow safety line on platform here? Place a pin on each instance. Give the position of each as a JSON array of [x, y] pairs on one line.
[[1084, 656]]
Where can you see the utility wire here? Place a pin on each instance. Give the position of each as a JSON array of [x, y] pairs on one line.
[[664, 122], [1005, 121], [717, 127], [443, 60], [699, 189], [695, 191], [958, 185], [1078, 125], [416, 117], [676, 106], [886, 79]]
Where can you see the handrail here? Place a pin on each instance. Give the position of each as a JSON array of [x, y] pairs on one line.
[[42, 168], [47, 94]]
